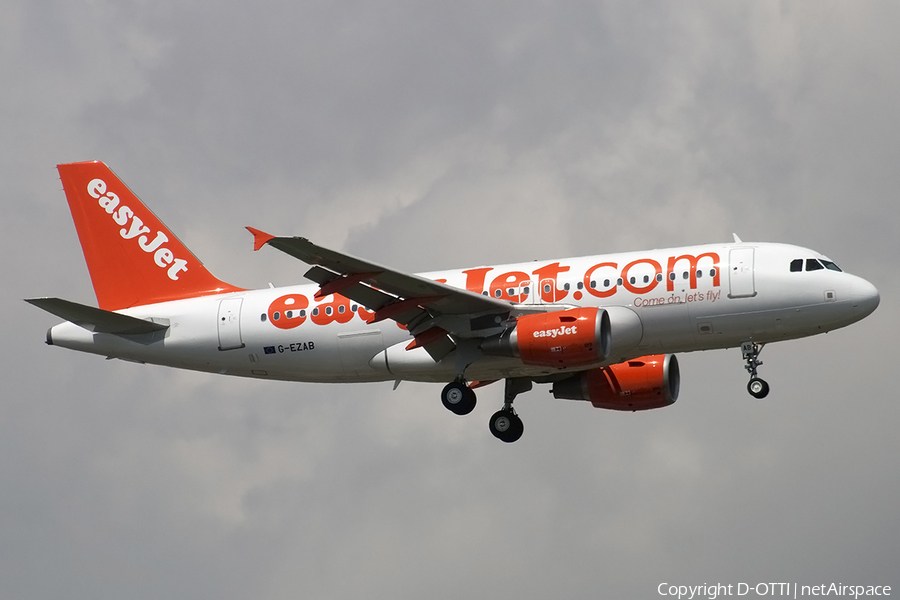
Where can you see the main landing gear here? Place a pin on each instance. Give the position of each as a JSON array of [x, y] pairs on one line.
[[458, 397], [504, 424], [757, 387]]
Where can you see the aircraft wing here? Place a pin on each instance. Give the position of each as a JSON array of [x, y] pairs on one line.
[[414, 301]]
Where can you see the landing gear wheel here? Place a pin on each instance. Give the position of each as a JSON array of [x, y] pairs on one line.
[[506, 426], [758, 388], [458, 398], [750, 351]]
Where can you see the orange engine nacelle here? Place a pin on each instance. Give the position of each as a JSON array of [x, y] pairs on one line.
[[639, 384], [562, 338]]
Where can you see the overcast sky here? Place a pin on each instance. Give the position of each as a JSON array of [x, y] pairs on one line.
[[429, 136]]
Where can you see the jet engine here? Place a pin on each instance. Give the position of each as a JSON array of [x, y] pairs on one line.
[[639, 384], [568, 338], [561, 338]]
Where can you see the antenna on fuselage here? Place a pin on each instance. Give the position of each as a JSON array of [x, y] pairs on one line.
[[737, 240]]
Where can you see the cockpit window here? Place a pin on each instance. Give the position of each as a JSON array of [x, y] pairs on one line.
[[813, 265]]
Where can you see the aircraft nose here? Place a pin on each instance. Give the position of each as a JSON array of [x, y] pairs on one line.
[[865, 297]]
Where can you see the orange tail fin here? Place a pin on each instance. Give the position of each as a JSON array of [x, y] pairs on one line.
[[132, 256]]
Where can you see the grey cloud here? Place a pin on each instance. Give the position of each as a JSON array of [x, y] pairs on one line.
[[428, 137]]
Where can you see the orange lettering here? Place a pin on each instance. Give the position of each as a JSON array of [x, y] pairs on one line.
[[338, 310], [588, 277], [634, 289], [546, 276], [692, 260], [284, 312], [365, 315], [475, 279], [515, 280]]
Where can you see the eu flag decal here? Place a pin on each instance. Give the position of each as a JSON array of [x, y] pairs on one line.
[[269, 349]]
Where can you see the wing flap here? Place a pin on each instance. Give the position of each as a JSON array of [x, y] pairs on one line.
[[366, 295]]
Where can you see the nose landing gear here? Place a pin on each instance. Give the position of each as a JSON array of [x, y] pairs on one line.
[[757, 387]]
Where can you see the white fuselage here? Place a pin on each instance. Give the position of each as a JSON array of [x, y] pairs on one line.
[[685, 299]]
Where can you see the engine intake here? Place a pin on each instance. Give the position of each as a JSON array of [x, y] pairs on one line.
[[639, 384]]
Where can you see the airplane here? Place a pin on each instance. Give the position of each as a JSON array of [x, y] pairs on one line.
[[602, 329]]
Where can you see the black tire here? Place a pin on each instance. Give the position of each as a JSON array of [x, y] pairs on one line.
[[518, 429], [506, 426], [758, 388], [458, 398], [468, 405]]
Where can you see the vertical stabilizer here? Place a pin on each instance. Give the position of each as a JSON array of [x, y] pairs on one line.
[[131, 255]]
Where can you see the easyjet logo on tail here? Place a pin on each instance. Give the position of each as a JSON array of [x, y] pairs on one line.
[[136, 230]]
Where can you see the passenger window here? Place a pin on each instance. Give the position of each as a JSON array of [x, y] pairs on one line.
[[594, 284], [796, 265], [813, 265], [631, 280], [262, 317], [685, 275], [646, 279], [671, 276], [566, 286], [699, 274], [712, 272], [659, 277], [580, 285], [547, 288], [606, 283]]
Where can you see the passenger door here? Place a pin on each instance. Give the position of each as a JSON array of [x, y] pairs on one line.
[[740, 273]]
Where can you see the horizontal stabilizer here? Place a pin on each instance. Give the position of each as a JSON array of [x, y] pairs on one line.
[[96, 320]]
